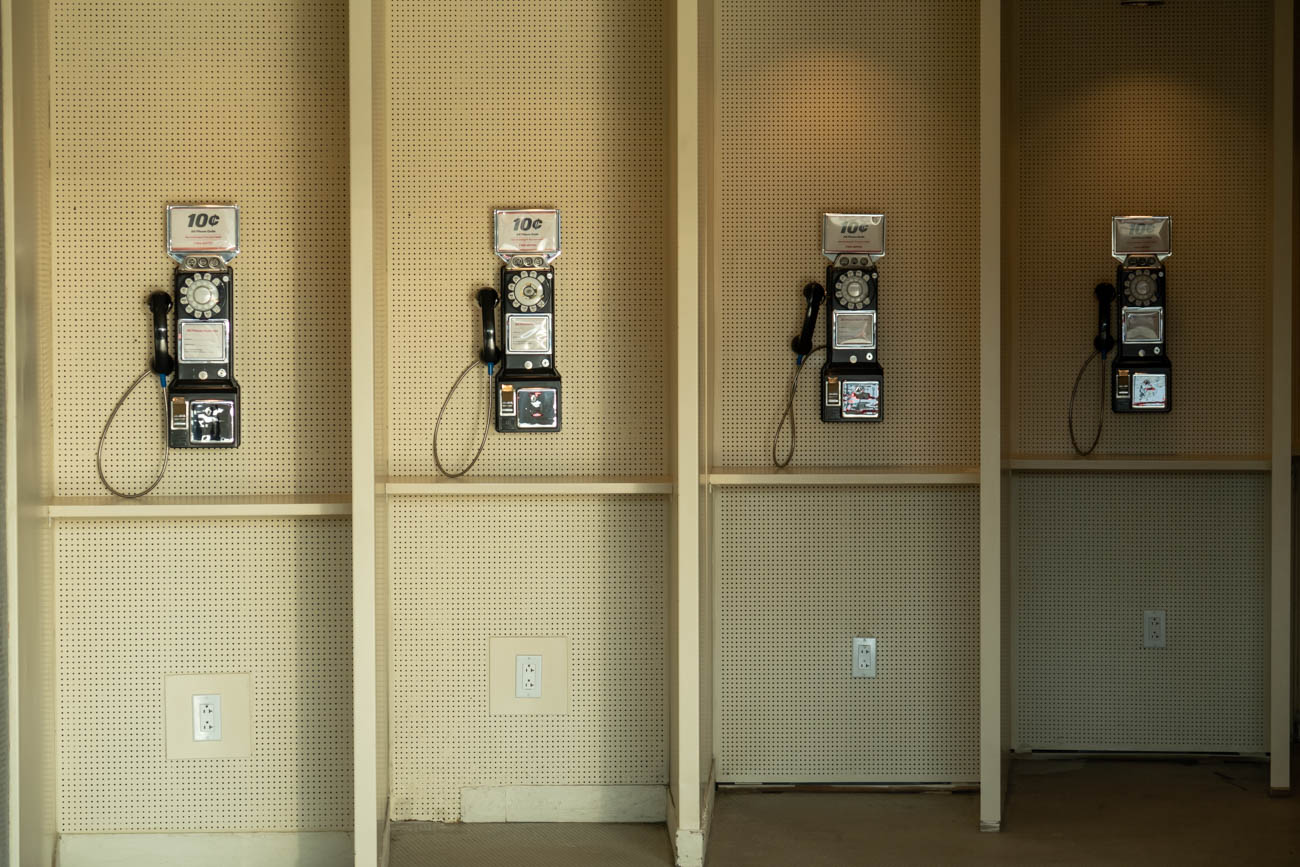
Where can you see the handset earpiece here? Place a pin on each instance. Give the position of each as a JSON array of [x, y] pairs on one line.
[[487, 301], [160, 303], [813, 293], [1104, 341]]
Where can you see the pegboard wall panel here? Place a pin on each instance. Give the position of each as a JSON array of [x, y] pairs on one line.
[[837, 107], [1117, 111], [794, 590], [506, 105], [231, 100], [591, 569], [1086, 567], [269, 598]]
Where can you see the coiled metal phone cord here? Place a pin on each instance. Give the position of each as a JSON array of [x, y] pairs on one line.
[[788, 414], [103, 435], [487, 422], [1101, 417]]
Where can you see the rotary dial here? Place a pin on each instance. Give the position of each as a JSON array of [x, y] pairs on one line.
[[526, 291], [853, 289], [200, 296], [1140, 288]]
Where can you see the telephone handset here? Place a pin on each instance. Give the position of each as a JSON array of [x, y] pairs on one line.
[[487, 302], [160, 304], [802, 345], [852, 378], [1104, 342]]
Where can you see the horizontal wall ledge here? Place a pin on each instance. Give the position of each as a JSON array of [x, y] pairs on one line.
[[404, 486], [1142, 464], [309, 506], [862, 476]]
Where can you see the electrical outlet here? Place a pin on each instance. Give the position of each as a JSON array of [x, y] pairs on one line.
[[528, 676], [1153, 629], [519, 682], [864, 657], [207, 717]]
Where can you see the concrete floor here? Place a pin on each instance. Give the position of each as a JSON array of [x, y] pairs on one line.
[[1059, 813]]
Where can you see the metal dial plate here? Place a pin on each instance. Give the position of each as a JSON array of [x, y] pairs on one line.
[[853, 289], [1140, 287], [526, 292]]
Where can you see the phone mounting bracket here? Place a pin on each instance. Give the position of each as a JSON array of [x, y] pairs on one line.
[[526, 237], [1135, 240]]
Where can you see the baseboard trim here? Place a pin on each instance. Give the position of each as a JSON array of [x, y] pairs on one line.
[[563, 804], [263, 849]]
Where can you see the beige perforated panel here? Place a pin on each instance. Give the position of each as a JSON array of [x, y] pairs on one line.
[[591, 569], [803, 571], [272, 598], [1148, 111], [839, 107], [1093, 552], [511, 105], [231, 100]]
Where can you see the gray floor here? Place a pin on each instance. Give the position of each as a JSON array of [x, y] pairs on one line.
[[1059, 813]]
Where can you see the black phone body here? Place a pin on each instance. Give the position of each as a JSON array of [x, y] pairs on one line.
[[852, 378], [1141, 375], [528, 392], [203, 396]]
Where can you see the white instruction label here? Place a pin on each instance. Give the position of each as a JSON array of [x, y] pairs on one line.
[[203, 229], [527, 231], [203, 341], [853, 233]]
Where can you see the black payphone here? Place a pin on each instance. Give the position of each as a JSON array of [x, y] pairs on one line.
[[201, 405]]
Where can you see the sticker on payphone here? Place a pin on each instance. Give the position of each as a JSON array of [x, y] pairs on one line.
[[1150, 391], [860, 399]]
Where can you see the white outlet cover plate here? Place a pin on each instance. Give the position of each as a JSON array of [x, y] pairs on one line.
[[502, 675], [209, 730], [236, 691], [1148, 640], [864, 657]]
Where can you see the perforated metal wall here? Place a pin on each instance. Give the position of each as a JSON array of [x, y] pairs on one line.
[[139, 600], [506, 105], [589, 568], [841, 107], [805, 570], [1093, 552], [231, 100], [1151, 111]]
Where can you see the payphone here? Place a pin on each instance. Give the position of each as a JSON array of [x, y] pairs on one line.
[[201, 402], [1141, 374], [518, 346]]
